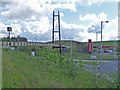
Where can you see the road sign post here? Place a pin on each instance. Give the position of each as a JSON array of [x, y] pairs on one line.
[[9, 29]]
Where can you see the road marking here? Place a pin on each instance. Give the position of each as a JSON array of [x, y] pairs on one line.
[[115, 67]]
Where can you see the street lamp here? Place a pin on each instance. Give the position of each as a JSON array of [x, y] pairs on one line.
[[35, 41], [18, 41], [71, 47], [114, 48], [96, 42], [101, 38]]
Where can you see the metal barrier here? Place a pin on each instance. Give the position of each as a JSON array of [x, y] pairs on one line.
[[27, 44]]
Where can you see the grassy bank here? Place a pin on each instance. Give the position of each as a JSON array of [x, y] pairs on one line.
[[21, 70]]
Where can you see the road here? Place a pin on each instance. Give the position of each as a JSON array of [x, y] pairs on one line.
[[107, 66]]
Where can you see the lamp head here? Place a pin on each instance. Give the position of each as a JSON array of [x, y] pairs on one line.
[[107, 21], [104, 21]]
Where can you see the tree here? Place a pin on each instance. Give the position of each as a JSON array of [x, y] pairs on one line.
[[14, 39]]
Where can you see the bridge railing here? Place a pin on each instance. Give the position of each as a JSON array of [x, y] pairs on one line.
[[5, 44]]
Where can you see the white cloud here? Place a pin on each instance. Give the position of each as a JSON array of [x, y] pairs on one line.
[[34, 27], [90, 2], [111, 29], [27, 16], [93, 17], [94, 25], [116, 0], [25, 9], [7, 0], [89, 17], [72, 30], [83, 2], [94, 28], [37, 27], [2, 26], [61, 14], [72, 26], [70, 6], [34, 19], [16, 30], [3, 30]]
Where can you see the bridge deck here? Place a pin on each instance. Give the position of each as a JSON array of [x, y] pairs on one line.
[[13, 44]]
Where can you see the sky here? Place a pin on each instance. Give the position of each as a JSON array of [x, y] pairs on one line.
[[79, 19]]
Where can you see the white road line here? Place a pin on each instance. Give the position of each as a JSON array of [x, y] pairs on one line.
[[115, 67]]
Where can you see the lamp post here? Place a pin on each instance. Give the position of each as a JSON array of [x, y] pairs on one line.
[[114, 50], [101, 39], [71, 47], [18, 41], [96, 44], [35, 41]]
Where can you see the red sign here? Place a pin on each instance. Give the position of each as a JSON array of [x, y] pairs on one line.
[[89, 45]]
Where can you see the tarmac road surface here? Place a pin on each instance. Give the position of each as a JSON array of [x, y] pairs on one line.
[[107, 67]]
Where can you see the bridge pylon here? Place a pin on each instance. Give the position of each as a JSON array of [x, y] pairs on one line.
[[56, 16]]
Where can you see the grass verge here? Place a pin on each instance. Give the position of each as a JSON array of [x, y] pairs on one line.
[[20, 70]]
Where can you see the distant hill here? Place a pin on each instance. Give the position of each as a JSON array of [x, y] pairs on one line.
[[109, 43]]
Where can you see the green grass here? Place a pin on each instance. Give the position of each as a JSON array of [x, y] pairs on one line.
[[86, 56], [20, 70], [92, 63]]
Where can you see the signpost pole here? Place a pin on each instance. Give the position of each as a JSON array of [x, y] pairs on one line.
[[9, 29]]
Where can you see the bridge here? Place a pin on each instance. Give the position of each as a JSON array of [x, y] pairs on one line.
[[15, 44]]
